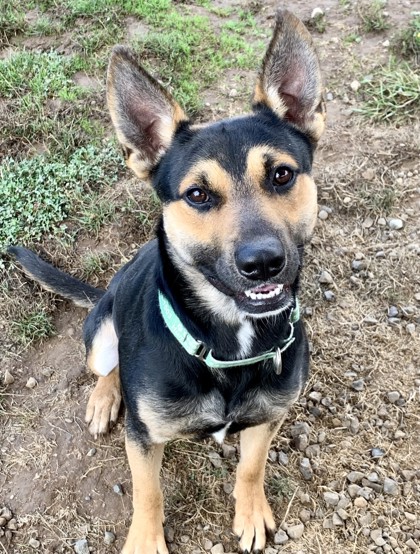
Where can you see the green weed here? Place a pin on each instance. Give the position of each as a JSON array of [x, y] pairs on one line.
[[392, 95], [32, 326], [96, 263], [12, 21], [406, 43], [372, 16], [37, 194]]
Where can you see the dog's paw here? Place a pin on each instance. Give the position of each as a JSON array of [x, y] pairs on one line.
[[145, 541], [253, 520], [103, 406]]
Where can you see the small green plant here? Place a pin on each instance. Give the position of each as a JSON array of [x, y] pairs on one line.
[[352, 37], [406, 43], [32, 326], [37, 194], [12, 21], [372, 16], [318, 23], [96, 263], [281, 486], [392, 95]]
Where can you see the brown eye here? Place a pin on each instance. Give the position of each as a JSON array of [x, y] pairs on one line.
[[283, 176], [197, 196]]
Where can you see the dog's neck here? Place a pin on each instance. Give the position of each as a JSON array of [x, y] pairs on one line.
[[228, 336]]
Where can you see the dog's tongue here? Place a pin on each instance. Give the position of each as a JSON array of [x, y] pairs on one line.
[[264, 288]]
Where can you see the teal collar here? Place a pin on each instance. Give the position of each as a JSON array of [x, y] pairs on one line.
[[198, 349]]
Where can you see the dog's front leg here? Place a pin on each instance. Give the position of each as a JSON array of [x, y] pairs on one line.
[[146, 531], [253, 515]]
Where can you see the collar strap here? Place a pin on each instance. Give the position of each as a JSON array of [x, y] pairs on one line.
[[199, 350]]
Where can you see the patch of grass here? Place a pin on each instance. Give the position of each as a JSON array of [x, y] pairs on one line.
[[352, 37], [317, 23], [96, 263], [372, 16], [32, 326], [281, 487], [406, 43], [12, 21], [37, 194], [392, 95]]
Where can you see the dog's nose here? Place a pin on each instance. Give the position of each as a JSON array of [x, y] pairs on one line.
[[260, 260]]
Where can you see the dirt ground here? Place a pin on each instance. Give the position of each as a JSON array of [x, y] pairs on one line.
[[363, 320]]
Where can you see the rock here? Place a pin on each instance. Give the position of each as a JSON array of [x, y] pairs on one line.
[[376, 536], [283, 458], [272, 455], [391, 487], [393, 396], [12, 525], [280, 537], [411, 328], [109, 537], [233, 93], [306, 469], [217, 549], [81, 547], [355, 85], [358, 385], [185, 539], [410, 516], [331, 498], [329, 295], [207, 544], [355, 476], [228, 451], [315, 396], [295, 531], [169, 534], [91, 452], [305, 515], [386, 43], [358, 265], [369, 175], [360, 503], [6, 513], [395, 224], [3, 521], [399, 434], [34, 543], [300, 428], [8, 378], [301, 442], [344, 501], [330, 96], [118, 489], [215, 459], [325, 278], [228, 488], [377, 452], [268, 550], [336, 519], [323, 215], [317, 12], [313, 451], [343, 514], [31, 383]]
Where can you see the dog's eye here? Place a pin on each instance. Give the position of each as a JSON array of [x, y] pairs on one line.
[[283, 176], [197, 196]]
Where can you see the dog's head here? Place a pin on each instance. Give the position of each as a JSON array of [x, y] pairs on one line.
[[238, 198]]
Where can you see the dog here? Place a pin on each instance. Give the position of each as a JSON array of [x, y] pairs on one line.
[[200, 332]]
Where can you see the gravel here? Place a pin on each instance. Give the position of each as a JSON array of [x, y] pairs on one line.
[[306, 469], [331, 498], [325, 278], [295, 531], [391, 487], [280, 537], [81, 547], [117, 488], [109, 537], [31, 383], [217, 549]]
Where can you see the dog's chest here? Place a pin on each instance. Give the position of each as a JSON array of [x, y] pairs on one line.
[[211, 414]]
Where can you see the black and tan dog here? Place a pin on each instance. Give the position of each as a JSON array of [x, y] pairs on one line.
[[200, 331]]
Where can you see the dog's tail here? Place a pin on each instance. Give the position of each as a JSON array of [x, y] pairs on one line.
[[54, 280]]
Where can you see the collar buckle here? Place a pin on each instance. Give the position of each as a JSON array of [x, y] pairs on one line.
[[202, 351]]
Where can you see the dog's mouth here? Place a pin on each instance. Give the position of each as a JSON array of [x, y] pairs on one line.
[[265, 298]]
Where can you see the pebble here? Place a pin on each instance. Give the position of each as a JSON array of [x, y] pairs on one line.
[[207, 544], [391, 487], [329, 295], [410, 328], [91, 452], [305, 515], [369, 175], [395, 224], [325, 278], [300, 428], [399, 434], [228, 488], [331, 498], [6, 513], [392, 311], [360, 503], [34, 543], [295, 531], [31, 383], [228, 451], [417, 296], [377, 452], [323, 215], [355, 476], [393, 396], [268, 550], [317, 12], [81, 547], [8, 378], [355, 85], [215, 459], [185, 539], [217, 549], [330, 96], [280, 537], [109, 537], [358, 265], [301, 442], [306, 469], [118, 489], [376, 536], [169, 534], [315, 396], [336, 519], [386, 43], [358, 385], [283, 458]]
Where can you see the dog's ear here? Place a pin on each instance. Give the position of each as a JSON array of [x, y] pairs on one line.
[[290, 80], [144, 114]]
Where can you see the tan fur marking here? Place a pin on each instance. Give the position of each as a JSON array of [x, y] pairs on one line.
[[297, 208], [219, 179], [146, 530], [255, 163], [104, 403], [252, 513]]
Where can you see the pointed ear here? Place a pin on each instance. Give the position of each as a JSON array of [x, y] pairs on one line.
[[144, 114], [290, 79]]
